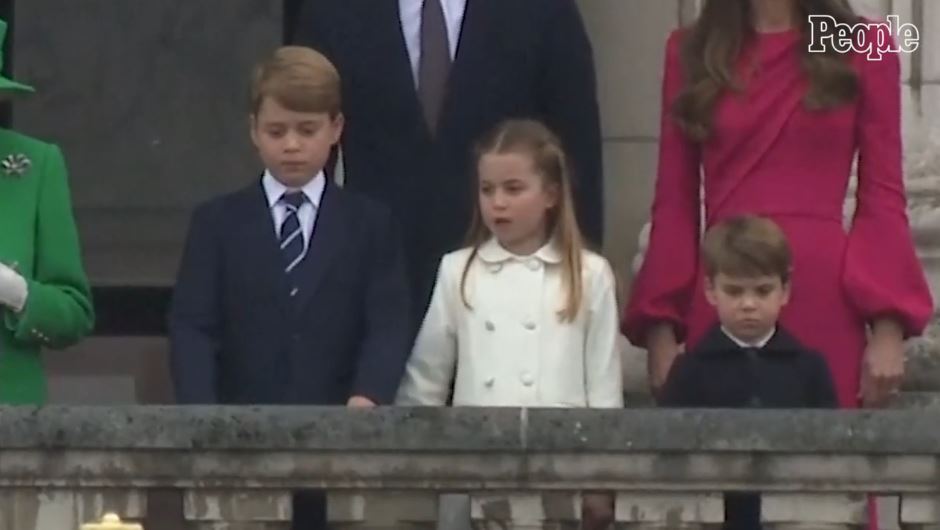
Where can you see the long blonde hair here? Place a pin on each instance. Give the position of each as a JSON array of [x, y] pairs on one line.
[[712, 45], [533, 139]]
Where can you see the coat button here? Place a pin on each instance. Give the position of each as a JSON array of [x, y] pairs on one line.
[[489, 326], [527, 379], [534, 264], [529, 325], [489, 382]]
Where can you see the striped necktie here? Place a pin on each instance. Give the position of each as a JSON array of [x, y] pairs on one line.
[[291, 236]]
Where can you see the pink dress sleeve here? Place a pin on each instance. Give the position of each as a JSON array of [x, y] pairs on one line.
[[883, 276], [663, 288]]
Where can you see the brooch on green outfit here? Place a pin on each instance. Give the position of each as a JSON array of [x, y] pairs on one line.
[[15, 165]]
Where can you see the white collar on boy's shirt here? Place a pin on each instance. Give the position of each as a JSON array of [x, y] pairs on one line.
[[274, 189], [759, 344], [493, 253]]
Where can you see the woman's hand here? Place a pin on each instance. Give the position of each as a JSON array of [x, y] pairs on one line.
[[883, 366], [663, 350]]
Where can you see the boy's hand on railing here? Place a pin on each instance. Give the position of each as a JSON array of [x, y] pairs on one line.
[[360, 402]]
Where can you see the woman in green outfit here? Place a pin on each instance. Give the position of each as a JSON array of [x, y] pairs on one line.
[[44, 295]]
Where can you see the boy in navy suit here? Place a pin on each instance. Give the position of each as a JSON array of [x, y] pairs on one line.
[[748, 360], [291, 290]]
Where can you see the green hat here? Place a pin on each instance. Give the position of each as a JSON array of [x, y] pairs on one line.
[[8, 85]]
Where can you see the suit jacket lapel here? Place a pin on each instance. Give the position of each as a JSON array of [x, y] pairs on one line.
[[262, 245], [469, 61], [471, 58], [328, 232], [385, 24]]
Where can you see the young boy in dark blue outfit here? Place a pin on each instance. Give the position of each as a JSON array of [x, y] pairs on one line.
[[747, 359]]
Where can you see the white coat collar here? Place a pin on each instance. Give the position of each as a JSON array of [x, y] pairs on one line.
[[493, 253]]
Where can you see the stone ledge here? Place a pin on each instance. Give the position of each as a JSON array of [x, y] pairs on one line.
[[470, 430]]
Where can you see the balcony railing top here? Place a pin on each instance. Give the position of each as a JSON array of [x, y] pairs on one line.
[[476, 430]]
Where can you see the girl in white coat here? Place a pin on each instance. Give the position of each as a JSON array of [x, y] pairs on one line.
[[524, 316]]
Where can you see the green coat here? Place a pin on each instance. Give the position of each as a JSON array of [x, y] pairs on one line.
[[38, 238]]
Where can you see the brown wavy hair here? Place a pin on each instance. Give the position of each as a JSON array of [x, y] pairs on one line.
[[535, 140], [714, 42]]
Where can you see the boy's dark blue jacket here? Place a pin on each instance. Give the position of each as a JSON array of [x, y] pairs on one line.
[[717, 373]]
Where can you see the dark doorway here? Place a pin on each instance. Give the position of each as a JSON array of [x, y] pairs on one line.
[[291, 11], [6, 13]]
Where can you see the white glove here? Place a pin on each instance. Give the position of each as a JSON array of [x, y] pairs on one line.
[[13, 290]]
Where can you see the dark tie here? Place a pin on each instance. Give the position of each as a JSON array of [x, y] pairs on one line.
[[434, 65], [291, 236], [753, 357]]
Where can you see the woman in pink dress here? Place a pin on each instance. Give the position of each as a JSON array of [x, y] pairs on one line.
[[772, 130]]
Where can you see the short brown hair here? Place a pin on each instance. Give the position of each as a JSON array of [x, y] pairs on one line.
[[300, 79], [746, 246]]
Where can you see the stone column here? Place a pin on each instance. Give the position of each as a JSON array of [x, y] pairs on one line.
[[920, 512], [47, 509], [526, 511], [814, 511], [669, 511], [237, 510], [382, 510], [923, 191]]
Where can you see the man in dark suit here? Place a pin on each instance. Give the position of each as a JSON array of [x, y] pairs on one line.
[[423, 80], [292, 290]]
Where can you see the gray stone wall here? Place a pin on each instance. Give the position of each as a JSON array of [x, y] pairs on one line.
[[149, 102]]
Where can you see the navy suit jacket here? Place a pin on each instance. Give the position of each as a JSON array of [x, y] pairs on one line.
[[238, 337], [515, 59]]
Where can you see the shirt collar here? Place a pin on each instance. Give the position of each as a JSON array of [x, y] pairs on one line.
[[758, 344], [274, 189], [492, 252]]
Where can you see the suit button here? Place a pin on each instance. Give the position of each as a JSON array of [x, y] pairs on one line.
[[489, 326], [489, 382], [529, 325], [534, 264], [527, 379]]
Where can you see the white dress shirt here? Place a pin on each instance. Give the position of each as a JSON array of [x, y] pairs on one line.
[[510, 348], [410, 14], [307, 215], [758, 344]]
